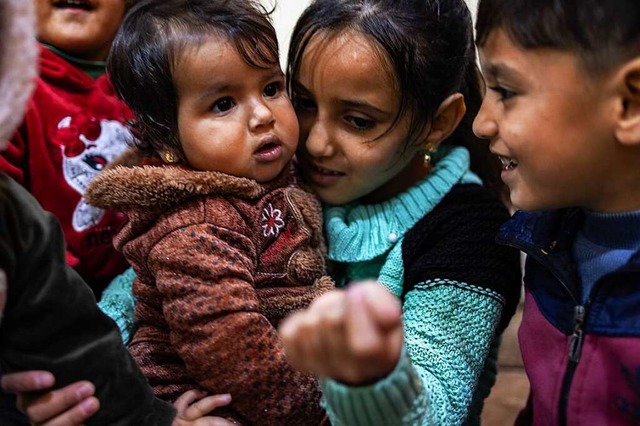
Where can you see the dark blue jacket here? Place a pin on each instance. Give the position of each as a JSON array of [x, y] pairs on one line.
[[583, 360]]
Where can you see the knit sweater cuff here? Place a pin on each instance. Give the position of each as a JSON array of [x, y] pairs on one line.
[[390, 401], [118, 303]]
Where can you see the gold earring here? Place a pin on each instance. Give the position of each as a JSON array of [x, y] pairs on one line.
[[169, 157], [427, 159]]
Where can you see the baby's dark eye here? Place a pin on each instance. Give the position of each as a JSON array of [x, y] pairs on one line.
[[223, 105], [272, 89]]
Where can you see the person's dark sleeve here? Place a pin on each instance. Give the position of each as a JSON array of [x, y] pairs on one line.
[[51, 321]]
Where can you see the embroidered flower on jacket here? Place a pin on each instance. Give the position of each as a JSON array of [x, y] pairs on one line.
[[272, 221]]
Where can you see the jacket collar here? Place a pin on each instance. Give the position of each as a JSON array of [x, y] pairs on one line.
[[544, 231], [548, 238]]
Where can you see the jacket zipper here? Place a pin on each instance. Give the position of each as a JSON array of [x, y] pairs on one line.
[[575, 350]]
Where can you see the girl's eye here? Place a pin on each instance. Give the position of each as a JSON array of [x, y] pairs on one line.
[[360, 123], [223, 105], [272, 89], [503, 93], [303, 103]]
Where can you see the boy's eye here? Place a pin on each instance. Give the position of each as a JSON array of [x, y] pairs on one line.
[[503, 93], [223, 105], [271, 89], [360, 123]]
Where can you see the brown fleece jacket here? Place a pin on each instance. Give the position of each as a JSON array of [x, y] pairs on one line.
[[220, 260]]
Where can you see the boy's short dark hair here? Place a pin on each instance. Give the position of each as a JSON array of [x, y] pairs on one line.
[[148, 46], [602, 33]]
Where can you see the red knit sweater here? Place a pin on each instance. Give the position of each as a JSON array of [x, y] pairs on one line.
[[72, 128]]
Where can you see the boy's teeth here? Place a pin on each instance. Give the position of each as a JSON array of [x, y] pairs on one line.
[[508, 163]]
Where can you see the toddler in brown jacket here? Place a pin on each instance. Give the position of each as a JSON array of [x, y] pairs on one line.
[[223, 239]]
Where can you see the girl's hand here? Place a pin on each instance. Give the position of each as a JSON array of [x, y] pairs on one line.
[[354, 336]]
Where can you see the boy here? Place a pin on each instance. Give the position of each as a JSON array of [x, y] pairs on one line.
[[73, 127], [562, 111]]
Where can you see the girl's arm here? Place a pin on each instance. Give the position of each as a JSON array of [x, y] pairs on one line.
[[205, 274], [459, 283], [355, 338], [118, 303]]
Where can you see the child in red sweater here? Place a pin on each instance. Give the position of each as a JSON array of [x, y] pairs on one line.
[[73, 127]]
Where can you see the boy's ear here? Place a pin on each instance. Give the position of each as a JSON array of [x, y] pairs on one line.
[[446, 120], [628, 126]]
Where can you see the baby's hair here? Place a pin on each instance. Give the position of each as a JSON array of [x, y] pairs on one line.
[[428, 46], [602, 33], [149, 45]]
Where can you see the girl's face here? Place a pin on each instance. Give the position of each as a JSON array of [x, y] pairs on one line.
[[346, 98], [83, 28]]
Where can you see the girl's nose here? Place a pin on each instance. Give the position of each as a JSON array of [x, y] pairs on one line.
[[261, 116], [318, 141]]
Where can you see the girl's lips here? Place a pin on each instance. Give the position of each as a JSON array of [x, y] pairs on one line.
[[323, 177]]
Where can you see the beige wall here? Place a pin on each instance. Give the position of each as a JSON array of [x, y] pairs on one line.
[[473, 4], [287, 12], [284, 18]]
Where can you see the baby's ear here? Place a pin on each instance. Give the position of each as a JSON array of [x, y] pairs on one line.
[[628, 127]]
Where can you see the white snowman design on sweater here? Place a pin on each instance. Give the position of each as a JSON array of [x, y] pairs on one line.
[[88, 146]]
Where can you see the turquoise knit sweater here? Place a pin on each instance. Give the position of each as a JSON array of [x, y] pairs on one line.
[[449, 326]]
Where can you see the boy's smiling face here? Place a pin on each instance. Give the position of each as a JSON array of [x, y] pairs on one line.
[[552, 126], [83, 28]]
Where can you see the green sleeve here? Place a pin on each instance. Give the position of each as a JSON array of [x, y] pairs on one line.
[[118, 303], [449, 328]]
